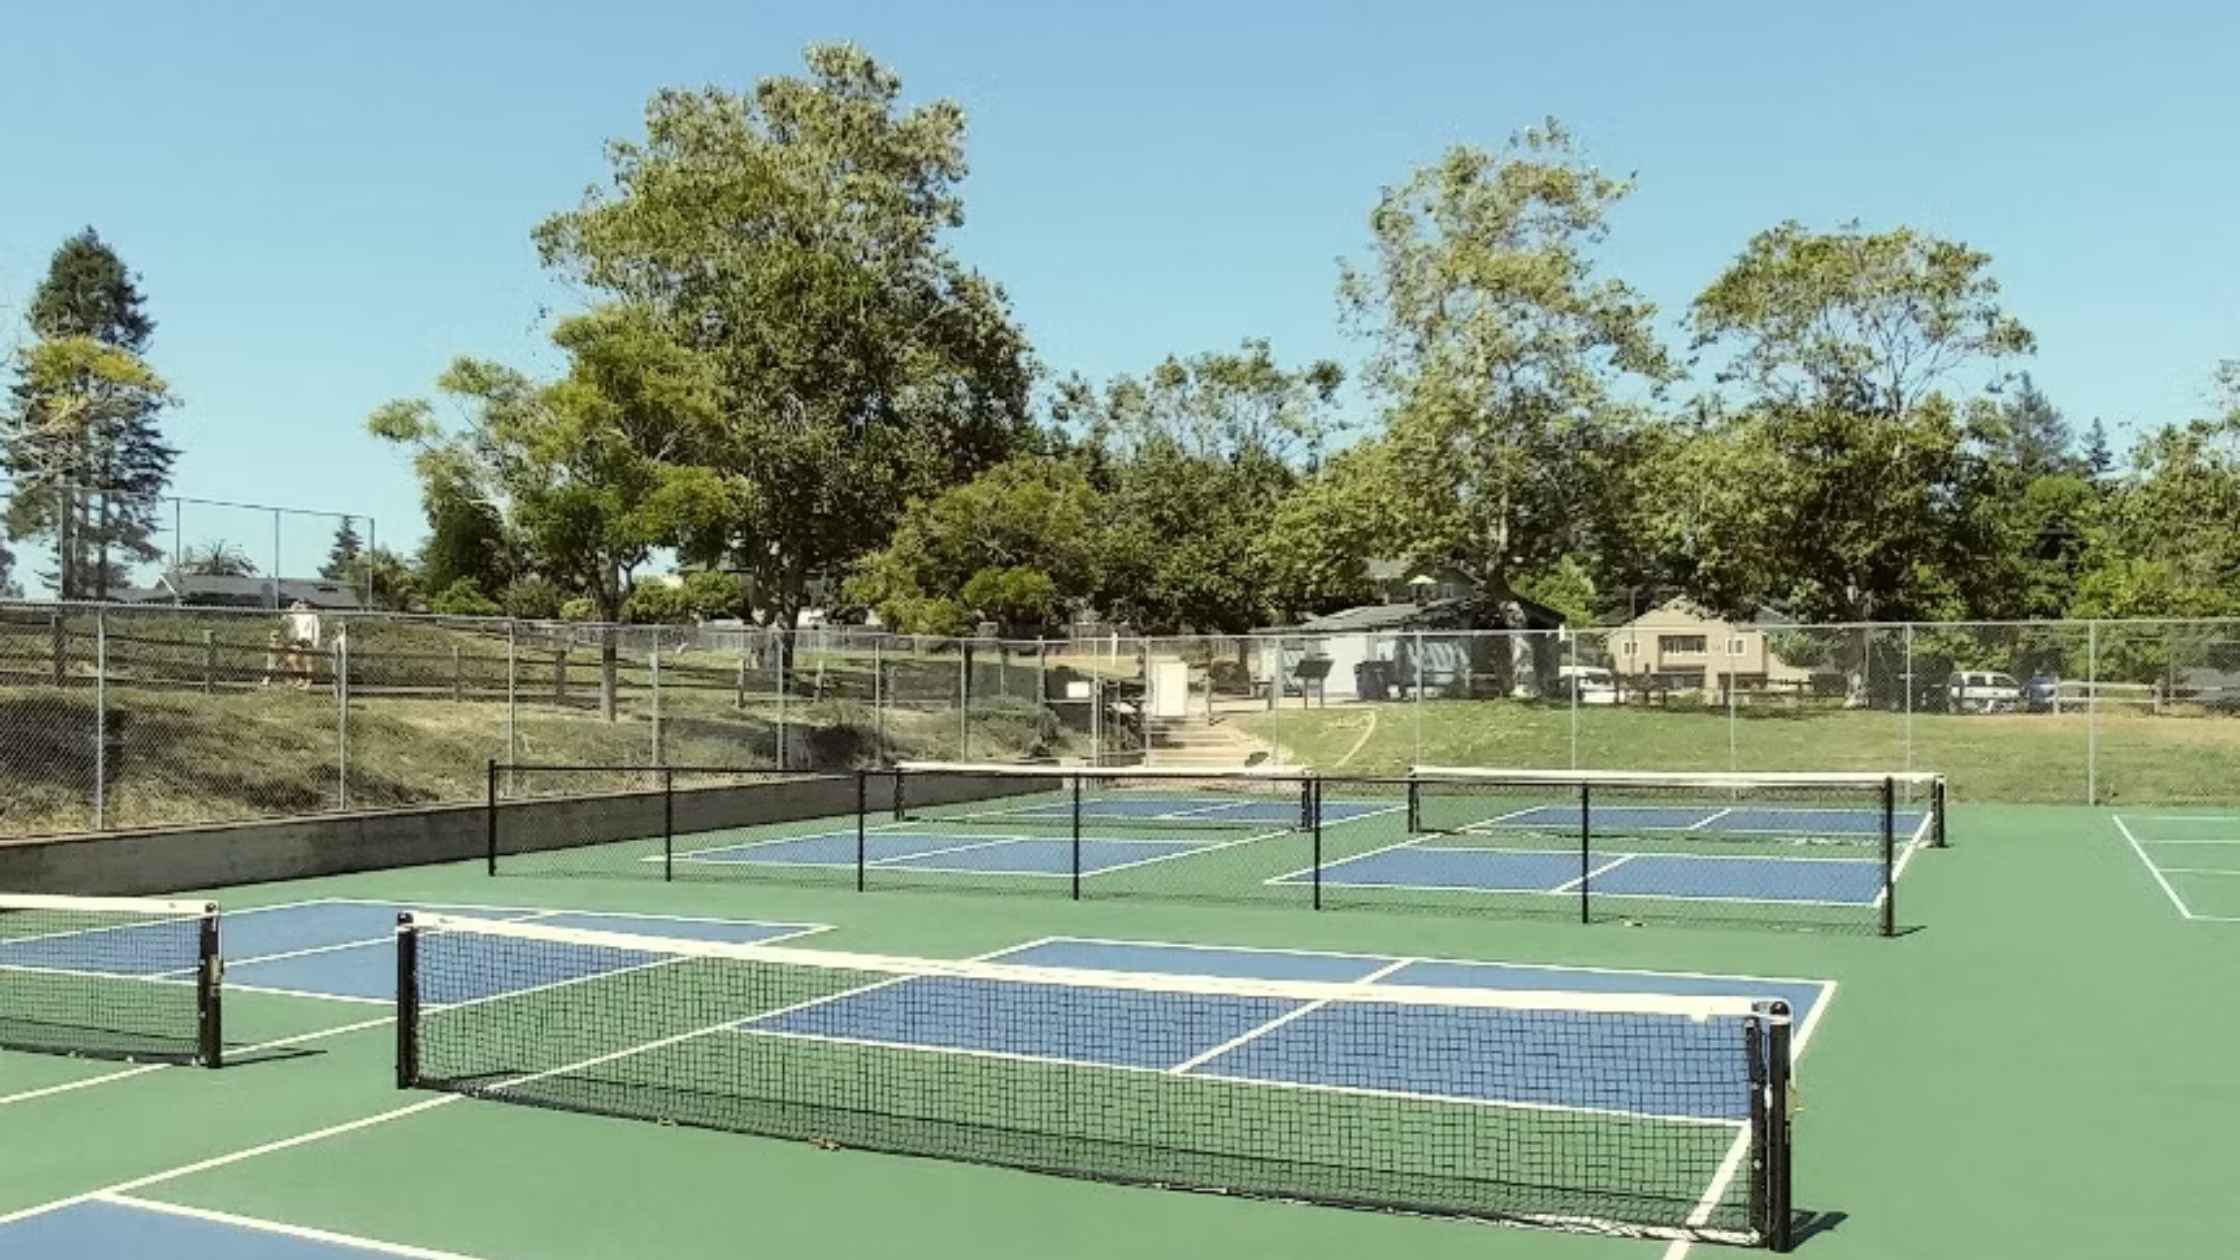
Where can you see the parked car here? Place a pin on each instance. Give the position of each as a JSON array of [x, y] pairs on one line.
[[1591, 684], [2042, 694], [1983, 691]]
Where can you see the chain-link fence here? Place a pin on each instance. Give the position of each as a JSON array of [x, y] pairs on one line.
[[122, 717]]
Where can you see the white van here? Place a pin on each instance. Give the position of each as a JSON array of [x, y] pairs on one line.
[[1983, 691], [1592, 684]]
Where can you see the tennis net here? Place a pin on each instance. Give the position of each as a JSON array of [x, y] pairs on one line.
[[1824, 848], [110, 977], [1094, 800], [1626, 1113]]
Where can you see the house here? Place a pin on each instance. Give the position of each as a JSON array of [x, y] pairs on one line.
[[1681, 644], [1387, 650], [202, 590]]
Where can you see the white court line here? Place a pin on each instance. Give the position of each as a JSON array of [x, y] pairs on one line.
[[145, 1068], [2152, 869], [1710, 819], [2199, 870], [2235, 840], [1292, 877], [1262, 1030], [2194, 818], [262, 1226], [1572, 885]]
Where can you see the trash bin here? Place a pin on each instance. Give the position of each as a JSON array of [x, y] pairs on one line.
[[1372, 680]]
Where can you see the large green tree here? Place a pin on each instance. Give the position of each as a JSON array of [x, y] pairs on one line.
[[1019, 544], [793, 239], [1508, 368], [87, 481], [1845, 484], [1193, 458], [582, 466]]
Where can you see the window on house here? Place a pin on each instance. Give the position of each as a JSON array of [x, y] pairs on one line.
[[1737, 647], [1628, 648], [1680, 644]]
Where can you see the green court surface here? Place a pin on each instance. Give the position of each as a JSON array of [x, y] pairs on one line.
[[2042, 1067]]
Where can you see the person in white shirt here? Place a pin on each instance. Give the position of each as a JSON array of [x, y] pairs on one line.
[[299, 634]]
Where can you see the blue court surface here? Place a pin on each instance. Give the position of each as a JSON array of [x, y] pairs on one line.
[[1443, 867], [1740, 820], [933, 849], [120, 1226], [341, 951], [1384, 1050], [1273, 811]]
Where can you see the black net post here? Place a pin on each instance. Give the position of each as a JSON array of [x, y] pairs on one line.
[[1936, 804], [863, 808], [490, 815], [1889, 857], [901, 805], [209, 992], [1774, 1225], [668, 825], [1415, 806], [1314, 809], [408, 1003], [1586, 851], [1077, 837]]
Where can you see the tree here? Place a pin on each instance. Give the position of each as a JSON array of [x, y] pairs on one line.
[[76, 404], [2167, 543], [89, 482], [579, 463], [466, 540], [393, 581], [1502, 360], [2035, 438], [1193, 458], [792, 239], [463, 599], [1029, 515], [342, 555], [217, 558], [1848, 487], [2099, 460]]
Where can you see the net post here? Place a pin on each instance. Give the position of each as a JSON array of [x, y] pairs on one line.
[[408, 1003], [1077, 836], [1415, 798], [490, 817], [668, 824], [1586, 851], [1936, 804], [900, 804], [1772, 1118], [208, 992], [1889, 857], [863, 808], [1314, 807]]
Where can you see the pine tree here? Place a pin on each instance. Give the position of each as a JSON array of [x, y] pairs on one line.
[[2038, 437], [2098, 459], [92, 489], [342, 557]]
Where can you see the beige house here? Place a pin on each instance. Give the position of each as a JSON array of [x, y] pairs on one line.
[[1684, 646]]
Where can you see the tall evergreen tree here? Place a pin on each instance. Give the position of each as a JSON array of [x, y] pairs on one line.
[[2099, 460], [90, 485], [342, 556], [2036, 437]]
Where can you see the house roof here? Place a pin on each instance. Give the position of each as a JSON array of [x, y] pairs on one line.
[[246, 592], [1442, 614]]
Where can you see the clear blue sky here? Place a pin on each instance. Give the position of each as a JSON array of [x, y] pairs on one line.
[[327, 203]]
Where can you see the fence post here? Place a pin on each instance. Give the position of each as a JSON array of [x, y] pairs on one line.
[[61, 652], [964, 701], [342, 715], [2092, 713], [209, 662], [100, 719], [1418, 758], [458, 682], [653, 661], [1586, 852], [560, 675], [1889, 857], [513, 671], [739, 685], [778, 673], [1910, 684]]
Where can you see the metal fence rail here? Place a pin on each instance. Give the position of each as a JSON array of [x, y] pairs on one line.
[[124, 717]]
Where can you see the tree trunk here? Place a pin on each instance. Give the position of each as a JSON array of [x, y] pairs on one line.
[[608, 668]]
